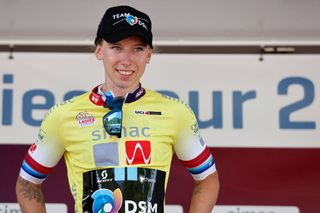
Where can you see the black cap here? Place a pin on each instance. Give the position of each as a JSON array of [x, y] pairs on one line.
[[123, 21]]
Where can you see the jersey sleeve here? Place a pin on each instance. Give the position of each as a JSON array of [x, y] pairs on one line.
[[190, 148], [45, 152]]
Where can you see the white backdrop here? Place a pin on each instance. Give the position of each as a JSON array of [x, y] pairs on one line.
[[282, 86]]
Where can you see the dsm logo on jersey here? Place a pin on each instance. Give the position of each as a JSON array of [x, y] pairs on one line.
[[138, 152], [105, 201]]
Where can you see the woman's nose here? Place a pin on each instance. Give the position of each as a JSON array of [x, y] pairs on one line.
[[126, 58]]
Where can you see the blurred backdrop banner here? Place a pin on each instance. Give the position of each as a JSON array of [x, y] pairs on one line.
[[239, 101], [259, 118]]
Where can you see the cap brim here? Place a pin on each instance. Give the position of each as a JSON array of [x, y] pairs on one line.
[[119, 35]]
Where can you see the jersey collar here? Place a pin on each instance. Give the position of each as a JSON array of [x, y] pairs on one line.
[[98, 99]]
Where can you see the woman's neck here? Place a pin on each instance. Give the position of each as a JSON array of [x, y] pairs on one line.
[[118, 92]]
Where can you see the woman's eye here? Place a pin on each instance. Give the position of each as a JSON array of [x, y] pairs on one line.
[[139, 49], [116, 48]]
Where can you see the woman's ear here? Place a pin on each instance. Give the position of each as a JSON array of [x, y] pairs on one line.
[[149, 55], [98, 52]]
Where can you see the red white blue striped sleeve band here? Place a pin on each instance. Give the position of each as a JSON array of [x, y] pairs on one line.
[[33, 171], [201, 166]]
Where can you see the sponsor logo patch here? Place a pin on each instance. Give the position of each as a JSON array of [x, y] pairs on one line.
[[138, 152], [85, 119], [104, 200], [195, 128], [141, 112], [33, 147], [132, 20], [42, 135]]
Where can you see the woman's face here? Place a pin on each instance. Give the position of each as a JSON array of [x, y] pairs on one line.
[[124, 63]]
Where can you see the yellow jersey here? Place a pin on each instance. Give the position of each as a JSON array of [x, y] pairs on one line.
[[126, 174]]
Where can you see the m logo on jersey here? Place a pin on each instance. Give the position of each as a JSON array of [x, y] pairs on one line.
[[138, 152]]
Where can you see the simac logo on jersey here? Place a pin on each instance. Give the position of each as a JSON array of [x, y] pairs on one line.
[[138, 152]]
